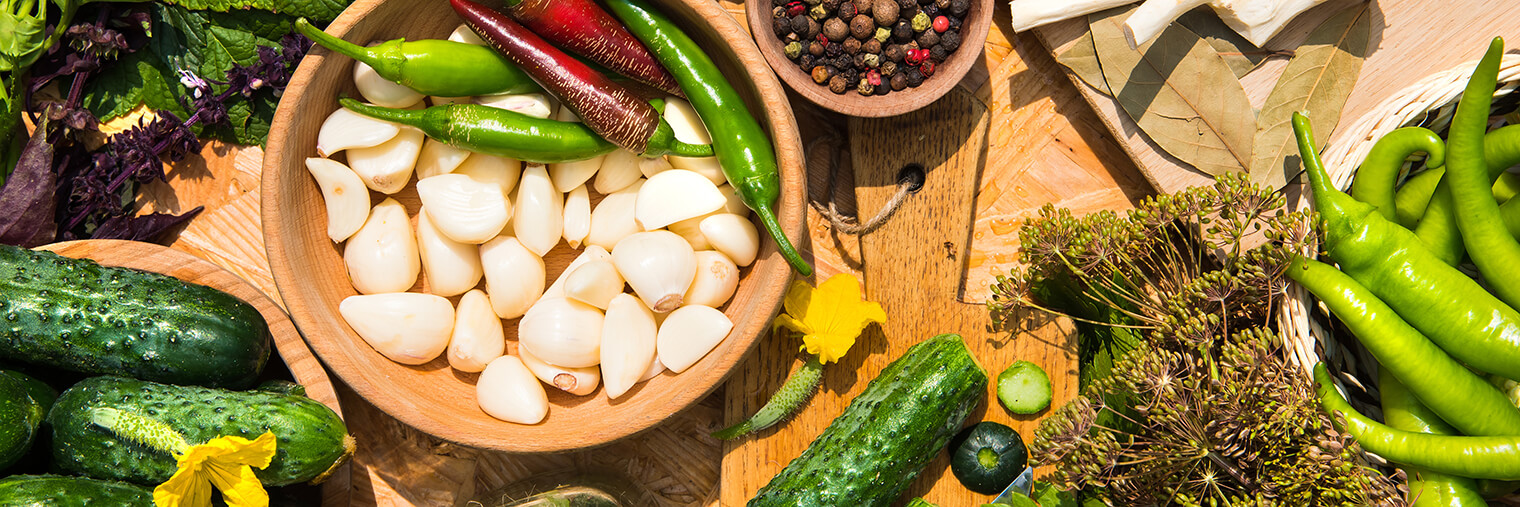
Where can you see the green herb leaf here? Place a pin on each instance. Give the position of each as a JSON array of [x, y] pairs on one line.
[[319, 11], [1082, 59]]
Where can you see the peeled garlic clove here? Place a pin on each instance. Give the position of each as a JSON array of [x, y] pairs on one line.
[[382, 256], [576, 381], [594, 283], [438, 157], [514, 276], [540, 211], [628, 343], [464, 34], [659, 265], [619, 169], [676, 195], [733, 235], [577, 216], [708, 167], [562, 332], [506, 390], [592, 253], [691, 230], [531, 104], [733, 204], [452, 267], [346, 129], [689, 333], [344, 195], [568, 175], [502, 171], [688, 128], [652, 166], [478, 337], [565, 114], [613, 219], [717, 279], [463, 209], [381, 91], [655, 369], [407, 327], [387, 167]]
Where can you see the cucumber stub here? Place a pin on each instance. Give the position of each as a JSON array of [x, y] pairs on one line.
[[1024, 388]]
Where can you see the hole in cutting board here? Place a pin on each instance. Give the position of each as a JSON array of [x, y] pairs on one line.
[[913, 175]]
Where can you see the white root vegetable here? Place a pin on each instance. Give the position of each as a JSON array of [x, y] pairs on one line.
[[594, 283], [502, 171], [1153, 16], [591, 253], [343, 194], [652, 166], [464, 34], [1028, 14], [688, 334], [531, 104], [619, 169], [1259, 21], [576, 381], [452, 268], [407, 327], [386, 167], [676, 195], [478, 337], [688, 128], [577, 216], [733, 235], [438, 157], [628, 344], [659, 265], [613, 219], [382, 256], [717, 279], [506, 390], [344, 129], [540, 211], [381, 91], [562, 332], [514, 276], [465, 210]]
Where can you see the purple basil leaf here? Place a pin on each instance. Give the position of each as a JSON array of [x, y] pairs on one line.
[[26, 200], [149, 228]]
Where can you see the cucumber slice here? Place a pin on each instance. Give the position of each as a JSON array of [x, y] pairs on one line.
[[1024, 388]]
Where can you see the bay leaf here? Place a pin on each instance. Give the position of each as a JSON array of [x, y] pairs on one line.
[[1180, 92], [1082, 59], [1317, 81], [1242, 56]]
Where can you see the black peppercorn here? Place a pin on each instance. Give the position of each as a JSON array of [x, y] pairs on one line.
[[859, 62], [812, 29], [781, 27], [955, 24], [833, 50], [847, 10], [930, 10], [835, 30], [872, 46], [815, 48], [928, 38], [907, 6], [885, 12], [799, 24], [911, 45], [888, 68], [807, 62], [942, 4], [850, 74], [851, 46], [895, 53], [883, 88], [938, 53], [821, 74], [830, 5], [898, 82], [902, 31], [839, 85], [863, 6], [843, 62], [862, 27], [959, 7], [951, 40], [914, 76]]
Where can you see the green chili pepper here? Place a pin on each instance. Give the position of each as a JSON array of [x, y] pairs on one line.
[[744, 151], [1501, 149], [442, 68], [1413, 197], [1467, 170], [1441, 302], [1403, 411], [1487, 457], [495, 131], [1459, 396], [1379, 174]]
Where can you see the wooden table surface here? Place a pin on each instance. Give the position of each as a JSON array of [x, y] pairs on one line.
[[1015, 135]]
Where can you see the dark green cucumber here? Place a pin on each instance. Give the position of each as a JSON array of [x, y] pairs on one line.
[[57, 491], [77, 315], [311, 440], [41, 393], [888, 434], [20, 417]]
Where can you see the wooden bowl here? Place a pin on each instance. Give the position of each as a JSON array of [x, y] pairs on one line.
[[309, 271], [974, 30]]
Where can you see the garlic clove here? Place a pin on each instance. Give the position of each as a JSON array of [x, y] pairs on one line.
[[540, 211], [613, 218], [652, 166], [620, 168], [465, 210], [628, 344], [343, 193], [688, 128], [717, 279], [568, 175], [734, 204], [676, 195], [562, 332], [502, 171], [688, 334], [381, 91], [514, 276], [565, 114], [659, 265], [531, 104], [594, 283], [438, 157], [346, 129], [576, 381], [708, 167], [591, 253], [382, 256], [506, 390], [733, 235], [407, 327], [691, 230], [577, 216], [464, 34], [452, 267], [386, 167], [478, 337], [655, 369]]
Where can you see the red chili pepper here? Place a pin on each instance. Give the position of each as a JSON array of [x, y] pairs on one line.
[[927, 69], [583, 28], [941, 24]]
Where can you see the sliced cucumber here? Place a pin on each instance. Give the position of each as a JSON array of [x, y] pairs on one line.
[[1024, 388]]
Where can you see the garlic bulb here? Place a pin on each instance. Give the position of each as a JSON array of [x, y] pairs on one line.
[[407, 327], [659, 265], [346, 129], [688, 334], [514, 276], [717, 279], [386, 167], [652, 166], [464, 34], [465, 210], [733, 235], [691, 231], [344, 195], [452, 267], [562, 332], [594, 283], [381, 91], [619, 169], [478, 337], [540, 211], [591, 253], [484, 168], [628, 344], [688, 128], [613, 219], [506, 390], [577, 216], [576, 381], [676, 195], [382, 256], [438, 157], [531, 104]]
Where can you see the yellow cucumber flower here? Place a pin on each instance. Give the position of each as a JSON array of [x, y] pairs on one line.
[[829, 317], [224, 462]]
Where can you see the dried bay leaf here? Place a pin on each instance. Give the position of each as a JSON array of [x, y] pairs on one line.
[[1317, 80], [1082, 59], [1180, 92], [1242, 56]]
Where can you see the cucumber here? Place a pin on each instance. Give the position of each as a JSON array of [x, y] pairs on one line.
[[1024, 388], [77, 315], [20, 417], [42, 393], [311, 440], [57, 491], [888, 434]]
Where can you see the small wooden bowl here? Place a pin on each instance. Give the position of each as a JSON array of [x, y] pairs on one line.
[[974, 35], [309, 271]]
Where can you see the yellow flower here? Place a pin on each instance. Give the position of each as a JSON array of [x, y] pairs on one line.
[[224, 462], [829, 317]]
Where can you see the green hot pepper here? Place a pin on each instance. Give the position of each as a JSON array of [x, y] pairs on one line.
[[743, 149], [442, 68], [1477, 212], [495, 131], [1379, 174], [1402, 411], [1501, 149]]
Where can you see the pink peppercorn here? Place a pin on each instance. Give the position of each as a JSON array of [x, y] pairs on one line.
[[797, 9], [941, 24]]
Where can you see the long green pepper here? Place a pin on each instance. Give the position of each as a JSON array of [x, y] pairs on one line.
[[442, 68], [495, 131], [1402, 411], [743, 149], [1379, 173], [1477, 212]]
